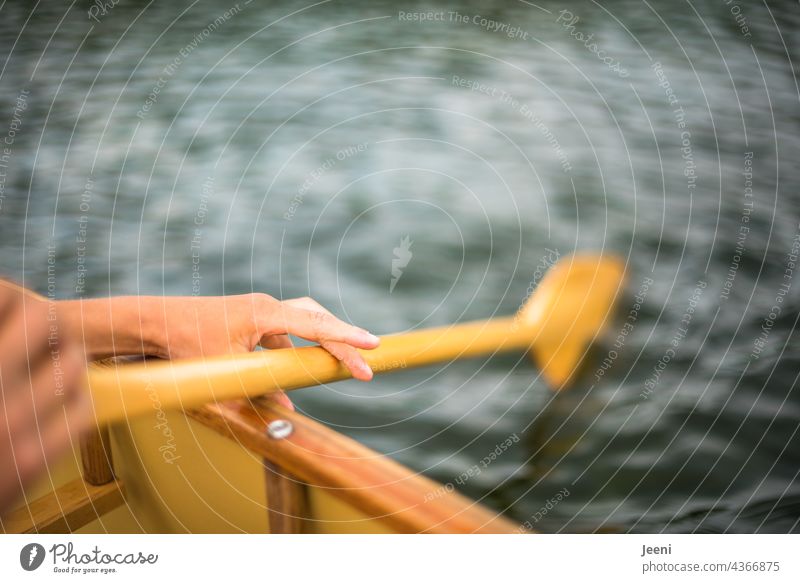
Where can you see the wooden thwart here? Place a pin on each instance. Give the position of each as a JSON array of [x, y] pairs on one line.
[[77, 503], [65, 509], [375, 485]]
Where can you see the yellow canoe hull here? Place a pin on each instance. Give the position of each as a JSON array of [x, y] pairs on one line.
[[214, 485]]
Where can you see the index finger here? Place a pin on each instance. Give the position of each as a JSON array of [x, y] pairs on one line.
[[320, 327]]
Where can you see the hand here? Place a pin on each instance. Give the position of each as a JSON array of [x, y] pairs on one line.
[[224, 325], [42, 406], [343, 351], [206, 326], [192, 327]]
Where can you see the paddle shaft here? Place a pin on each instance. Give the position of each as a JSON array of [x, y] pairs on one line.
[[134, 389], [570, 307]]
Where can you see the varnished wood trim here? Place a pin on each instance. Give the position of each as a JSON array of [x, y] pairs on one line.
[[287, 501], [65, 509], [361, 477], [96, 458]]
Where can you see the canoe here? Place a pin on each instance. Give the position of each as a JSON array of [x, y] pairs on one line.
[[191, 447], [240, 467]]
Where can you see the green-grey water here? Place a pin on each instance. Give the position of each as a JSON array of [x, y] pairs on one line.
[[210, 148]]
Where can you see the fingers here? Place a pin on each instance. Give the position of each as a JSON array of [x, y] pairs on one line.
[[275, 342], [317, 325], [51, 427], [34, 450], [55, 381], [23, 343], [348, 355], [343, 351], [281, 398], [351, 358], [26, 452], [41, 401]]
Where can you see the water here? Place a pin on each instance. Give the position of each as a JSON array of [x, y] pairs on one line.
[[292, 154]]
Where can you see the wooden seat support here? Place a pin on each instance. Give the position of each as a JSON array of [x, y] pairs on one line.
[[79, 502]]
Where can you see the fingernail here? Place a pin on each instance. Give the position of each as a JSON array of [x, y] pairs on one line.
[[368, 337], [366, 369]]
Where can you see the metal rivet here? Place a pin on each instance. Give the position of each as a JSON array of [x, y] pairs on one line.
[[280, 429]]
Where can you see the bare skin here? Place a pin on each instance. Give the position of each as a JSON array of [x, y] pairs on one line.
[[42, 406], [36, 426], [190, 327]]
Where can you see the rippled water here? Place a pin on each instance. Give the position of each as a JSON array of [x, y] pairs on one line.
[[290, 150]]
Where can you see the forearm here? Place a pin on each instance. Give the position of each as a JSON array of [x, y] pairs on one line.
[[113, 327]]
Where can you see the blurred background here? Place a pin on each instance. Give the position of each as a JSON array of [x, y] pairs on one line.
[[219, 148]]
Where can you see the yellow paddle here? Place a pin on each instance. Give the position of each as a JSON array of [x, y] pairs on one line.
[[566, 312]]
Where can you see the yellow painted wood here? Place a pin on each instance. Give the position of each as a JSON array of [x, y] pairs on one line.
[[568, 309], [213, 485]]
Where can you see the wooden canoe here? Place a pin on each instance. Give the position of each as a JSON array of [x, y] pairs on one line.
[[216, 469]]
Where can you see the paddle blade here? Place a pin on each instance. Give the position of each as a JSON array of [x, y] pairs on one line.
[[568, 310]]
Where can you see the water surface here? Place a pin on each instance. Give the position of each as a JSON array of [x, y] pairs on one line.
[[290, 150]]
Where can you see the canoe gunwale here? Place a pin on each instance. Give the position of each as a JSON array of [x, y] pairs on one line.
[[319, 457]]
